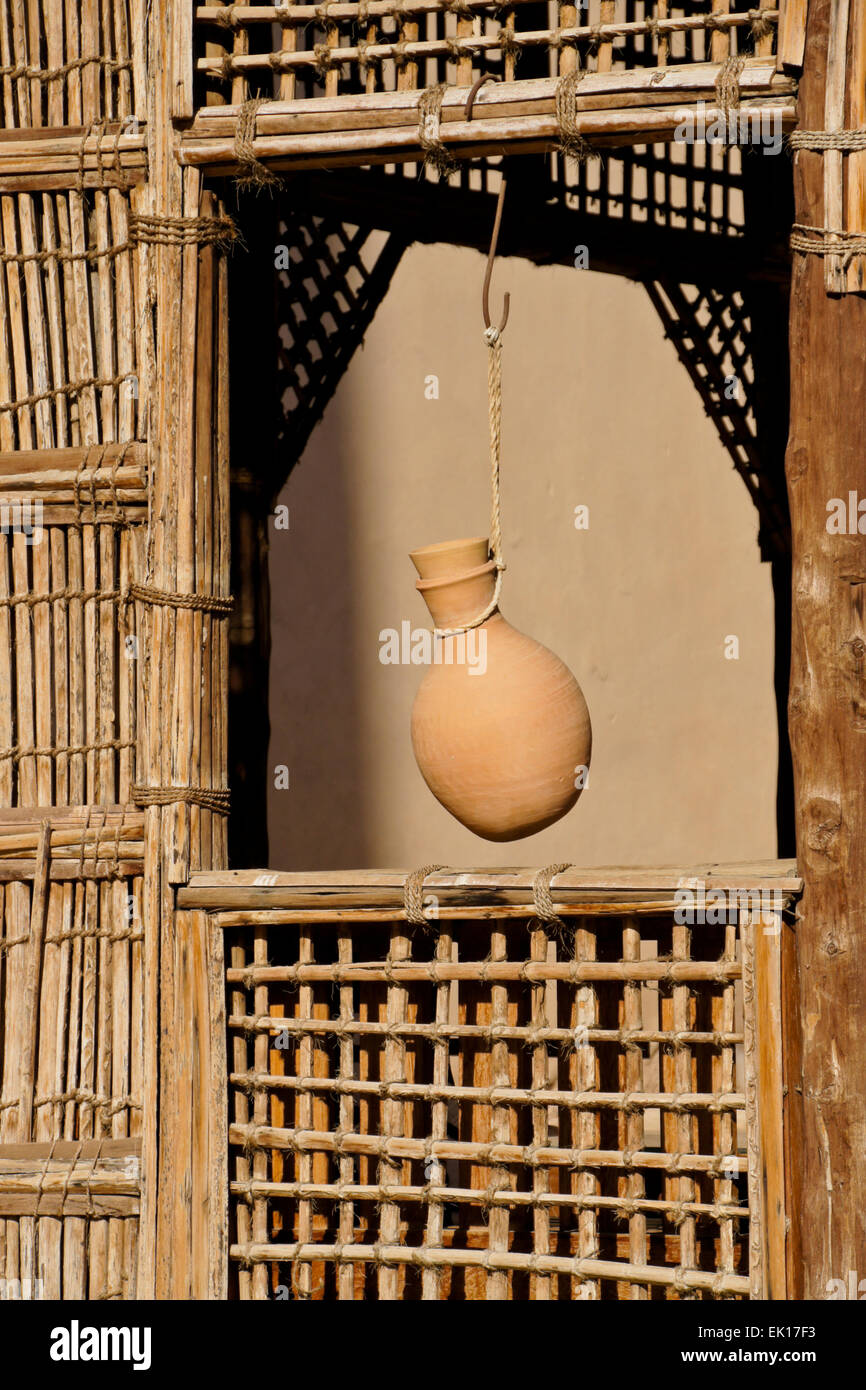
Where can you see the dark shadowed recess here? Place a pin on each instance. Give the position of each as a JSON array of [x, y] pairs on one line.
[[704, 229]]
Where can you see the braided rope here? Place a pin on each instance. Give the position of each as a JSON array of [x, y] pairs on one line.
[[493, 339], [823, 241], [827, 140], [164, 598]]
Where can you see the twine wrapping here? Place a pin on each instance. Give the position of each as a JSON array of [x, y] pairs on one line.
[[165, 598], [182, 231], [429, 119], [209, 798], [254, 174], [545, 908], [69, 388], [413, 894], [823, 241], [16, 70], [728, 83]]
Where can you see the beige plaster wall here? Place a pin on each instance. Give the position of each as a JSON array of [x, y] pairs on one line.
[[599, 412]]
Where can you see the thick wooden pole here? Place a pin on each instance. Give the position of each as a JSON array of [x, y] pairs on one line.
[[826, 459], [185, 692]]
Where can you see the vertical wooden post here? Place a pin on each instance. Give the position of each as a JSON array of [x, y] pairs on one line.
[[826, 459], [183, 744]]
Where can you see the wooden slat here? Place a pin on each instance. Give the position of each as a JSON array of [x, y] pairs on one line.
[[834, 119], [855, 174], [768, 973]]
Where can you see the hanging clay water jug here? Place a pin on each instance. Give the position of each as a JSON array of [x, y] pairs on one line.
[[500, 727]]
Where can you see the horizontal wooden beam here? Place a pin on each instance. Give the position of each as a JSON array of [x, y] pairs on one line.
[[60, 157], [82, 845], [86, 461], [378, 894], [613, 108], [93, 1178]]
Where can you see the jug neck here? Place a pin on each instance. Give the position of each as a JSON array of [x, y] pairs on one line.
[[456, 581]]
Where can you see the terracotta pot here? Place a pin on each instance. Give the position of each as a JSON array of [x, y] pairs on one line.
[[499, 725]]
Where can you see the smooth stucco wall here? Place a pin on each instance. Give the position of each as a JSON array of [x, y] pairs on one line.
[[597, 411]]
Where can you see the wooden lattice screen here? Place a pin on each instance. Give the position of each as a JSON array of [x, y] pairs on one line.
[[72, 1032], [388, 80], [494, 1106], [301, 50]]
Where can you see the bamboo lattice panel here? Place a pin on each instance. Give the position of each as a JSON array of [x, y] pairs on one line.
[[71, 1053], [67, 669], [67, 375], [68, 64], [490, 1109], [295, 51]]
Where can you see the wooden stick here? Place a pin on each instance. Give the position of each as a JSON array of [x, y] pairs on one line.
[[345, 1273], [582, 1268], [629, 80], [260, 1111], [834, 119], [499, 970], [855, 183], [431, 1279], [394, 1069], [605, 51], [26, 728], [241, 1119], [466, 1030], [54, 306], [73, 51], [6, 682], [27, 1065], [720, 47], [632, 1127]]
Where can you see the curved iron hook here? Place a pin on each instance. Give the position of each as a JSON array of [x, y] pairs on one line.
[[475, 89], [485, 295]]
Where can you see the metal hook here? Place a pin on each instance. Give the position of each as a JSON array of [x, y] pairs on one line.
[[475, 89], [485, 295]]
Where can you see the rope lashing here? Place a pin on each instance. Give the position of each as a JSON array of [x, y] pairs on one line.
[[215, 799], [253, 173], [824, 241], [166, 598], [827, 140], [542, 900], [728, 83], [429, 138], [571, 141], [182, 231]]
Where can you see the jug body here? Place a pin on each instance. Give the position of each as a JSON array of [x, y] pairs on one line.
[[500, 727]]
